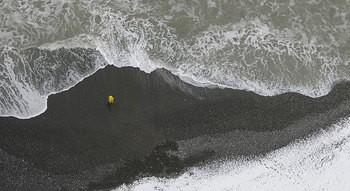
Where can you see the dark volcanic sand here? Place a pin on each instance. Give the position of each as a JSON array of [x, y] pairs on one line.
[[78, 140]]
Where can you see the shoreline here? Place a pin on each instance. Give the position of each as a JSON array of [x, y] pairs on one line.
[[78, 134]]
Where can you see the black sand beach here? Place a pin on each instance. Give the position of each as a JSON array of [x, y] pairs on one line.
[[78, 143]]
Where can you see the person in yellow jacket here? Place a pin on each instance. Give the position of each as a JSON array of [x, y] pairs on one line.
[[110, 100]]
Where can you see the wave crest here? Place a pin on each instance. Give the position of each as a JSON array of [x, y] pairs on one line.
[[266, 48]]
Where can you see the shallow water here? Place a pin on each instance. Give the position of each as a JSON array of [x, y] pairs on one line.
[[263, 46], [267, 47]]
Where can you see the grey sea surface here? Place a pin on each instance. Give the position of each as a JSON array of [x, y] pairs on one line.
[[269, 47], [262, 85]]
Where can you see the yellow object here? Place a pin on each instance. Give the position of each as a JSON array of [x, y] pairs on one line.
[[110, 99]]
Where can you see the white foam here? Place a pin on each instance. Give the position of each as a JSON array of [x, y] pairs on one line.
[[252, 52], [26, 87], [319, 163]]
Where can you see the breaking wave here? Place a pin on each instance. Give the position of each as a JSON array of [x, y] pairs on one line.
[[261, 46]]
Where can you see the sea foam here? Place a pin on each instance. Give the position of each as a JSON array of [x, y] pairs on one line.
[[222, 43], [320, 162]]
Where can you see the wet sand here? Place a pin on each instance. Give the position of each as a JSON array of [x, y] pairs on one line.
[[79, 142]]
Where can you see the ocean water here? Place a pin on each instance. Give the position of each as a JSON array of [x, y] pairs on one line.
[[268, 47]]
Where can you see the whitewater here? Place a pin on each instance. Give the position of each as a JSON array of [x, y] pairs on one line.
[[267, 47], [320, 162], [261, 46]]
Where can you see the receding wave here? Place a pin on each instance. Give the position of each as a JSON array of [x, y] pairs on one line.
[[265, 47], [317, 163]]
